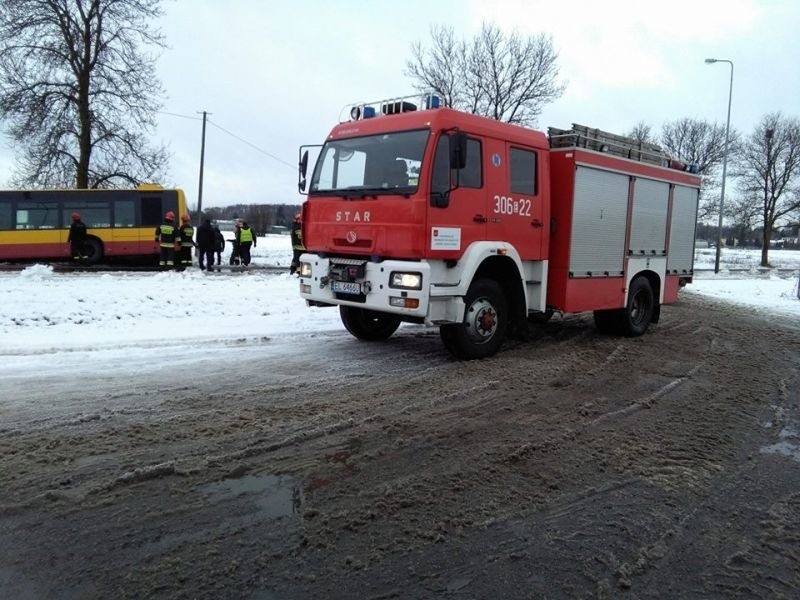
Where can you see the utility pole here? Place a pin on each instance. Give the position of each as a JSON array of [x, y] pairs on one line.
[[724, 163], [202, 159]]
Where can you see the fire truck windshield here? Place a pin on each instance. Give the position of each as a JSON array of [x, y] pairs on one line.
[[387, 163]]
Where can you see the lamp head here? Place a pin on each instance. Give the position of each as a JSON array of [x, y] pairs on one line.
[[711, 60]]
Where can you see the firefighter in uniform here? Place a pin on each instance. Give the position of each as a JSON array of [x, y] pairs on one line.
[[184, 242], [297, 243], [77, 238], [166, 234]]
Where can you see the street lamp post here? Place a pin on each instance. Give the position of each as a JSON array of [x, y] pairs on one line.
[[724, 163]]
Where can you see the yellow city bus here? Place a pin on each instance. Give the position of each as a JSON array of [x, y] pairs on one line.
[[34, 224]]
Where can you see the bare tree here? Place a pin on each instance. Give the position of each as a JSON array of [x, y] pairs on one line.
[[700, 143], [769, 172], [441, 66], [642, 133], [505, 77], [744, 213], [77, 93]]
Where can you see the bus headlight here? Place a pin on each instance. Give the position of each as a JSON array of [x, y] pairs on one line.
[[407, 281], [305, 269]]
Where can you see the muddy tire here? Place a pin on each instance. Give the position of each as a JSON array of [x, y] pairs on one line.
[[368, 325], [485, 323], [637, 315]]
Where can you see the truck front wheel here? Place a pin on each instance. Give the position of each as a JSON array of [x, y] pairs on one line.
[[485, 323], [368, 325]]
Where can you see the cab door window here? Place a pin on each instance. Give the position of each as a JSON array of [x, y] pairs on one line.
[[523, 172], [471, 176]]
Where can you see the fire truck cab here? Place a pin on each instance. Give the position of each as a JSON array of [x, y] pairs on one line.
[[426, 214]]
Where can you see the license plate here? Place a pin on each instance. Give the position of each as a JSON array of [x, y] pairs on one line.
[[345, 287]]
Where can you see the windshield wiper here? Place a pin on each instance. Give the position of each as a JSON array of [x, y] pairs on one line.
[[359, 191]]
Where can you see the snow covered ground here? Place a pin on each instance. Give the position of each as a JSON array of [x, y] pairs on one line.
[[48, 317]]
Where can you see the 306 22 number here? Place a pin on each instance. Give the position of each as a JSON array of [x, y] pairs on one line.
[[506, 205]]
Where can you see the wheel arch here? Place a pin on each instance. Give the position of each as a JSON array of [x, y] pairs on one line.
[[504, 270]]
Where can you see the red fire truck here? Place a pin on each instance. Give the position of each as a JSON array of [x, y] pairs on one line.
[[425, 214]]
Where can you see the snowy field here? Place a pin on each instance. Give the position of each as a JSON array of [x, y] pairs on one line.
[[47, 316]]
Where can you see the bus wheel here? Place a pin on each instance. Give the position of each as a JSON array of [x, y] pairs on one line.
[[368, 325], [637, 315], [485, 323], [93, 249]]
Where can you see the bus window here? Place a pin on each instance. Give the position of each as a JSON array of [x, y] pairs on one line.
[[5, 216], [37, 215], [124, 213], [93, 214], [151, 210]]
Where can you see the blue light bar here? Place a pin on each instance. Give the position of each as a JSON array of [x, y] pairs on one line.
[[432, 101]]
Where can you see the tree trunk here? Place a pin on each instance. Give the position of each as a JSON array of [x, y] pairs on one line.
[[84, 113]]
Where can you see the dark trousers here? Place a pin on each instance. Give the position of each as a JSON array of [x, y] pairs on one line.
[[167, 257], [244, 252], [295, 260], [219, 257], [206, 257], [184, 258], [76, 248]]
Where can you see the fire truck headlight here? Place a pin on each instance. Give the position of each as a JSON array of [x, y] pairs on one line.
[[305, 269], [407, 281]]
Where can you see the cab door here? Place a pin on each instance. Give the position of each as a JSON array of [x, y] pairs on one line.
[[515, 205], [456, 217]]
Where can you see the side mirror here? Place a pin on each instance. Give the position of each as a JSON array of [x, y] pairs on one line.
[[440, 199], [303, 167], [458, 150]]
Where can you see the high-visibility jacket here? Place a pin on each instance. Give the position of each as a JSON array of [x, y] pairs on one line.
[[245, 235], [186, 236], [166, 234]]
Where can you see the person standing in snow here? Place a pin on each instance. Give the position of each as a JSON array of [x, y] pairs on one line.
[[205, 244], [246, 239], [184, 242], [297, 243], [77, 238], [165, 236], [219, 244]]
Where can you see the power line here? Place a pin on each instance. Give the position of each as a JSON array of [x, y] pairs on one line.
[[230, 133], [272, 156], [163, 112]]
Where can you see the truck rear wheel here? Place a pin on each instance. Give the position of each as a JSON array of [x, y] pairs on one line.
[[485, 323], [368, 325], [639, 311]]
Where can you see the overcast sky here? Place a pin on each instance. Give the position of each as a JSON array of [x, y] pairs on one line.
[[275, 75]]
